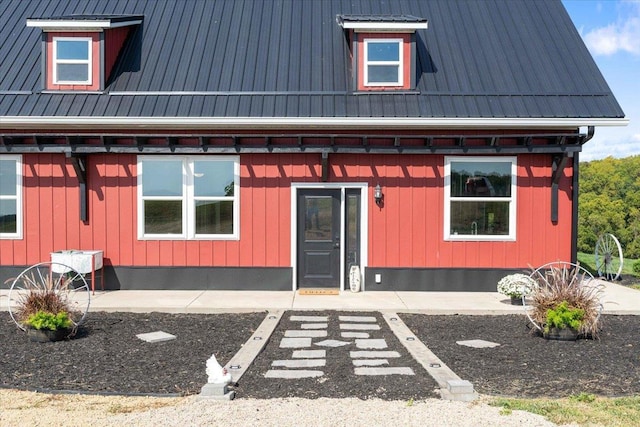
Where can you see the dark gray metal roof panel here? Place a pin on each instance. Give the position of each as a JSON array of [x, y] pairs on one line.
[[290, 58]]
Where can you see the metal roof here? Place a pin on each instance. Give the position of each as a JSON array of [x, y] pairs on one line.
[[289, 59]]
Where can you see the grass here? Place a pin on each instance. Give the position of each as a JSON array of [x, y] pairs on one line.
[[588, 261], [581, 409]]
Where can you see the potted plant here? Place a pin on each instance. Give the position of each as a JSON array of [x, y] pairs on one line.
[[563, 322], [44, 326], [566, 302], [515, 286]]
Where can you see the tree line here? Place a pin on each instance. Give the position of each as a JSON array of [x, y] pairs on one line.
[[609, 191]]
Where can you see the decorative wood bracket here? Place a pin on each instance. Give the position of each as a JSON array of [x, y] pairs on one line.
[[557, 166], [325, 166], [79, 163]]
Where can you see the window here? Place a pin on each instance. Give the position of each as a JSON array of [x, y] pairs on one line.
[[72, 60], [480, 202], [383, 62], [188, 197], [10, 197]]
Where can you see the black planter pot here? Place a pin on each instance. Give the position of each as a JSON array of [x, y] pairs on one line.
[[561, 334], [516, 300], [47, 335]]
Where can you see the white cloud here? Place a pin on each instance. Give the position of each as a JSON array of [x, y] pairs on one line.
[[623, 35]]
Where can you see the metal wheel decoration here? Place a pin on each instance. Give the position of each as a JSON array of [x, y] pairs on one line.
[[50, 281], [609, 257], [570, 275]]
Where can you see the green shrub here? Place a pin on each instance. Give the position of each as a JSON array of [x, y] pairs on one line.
[[46, 320], [636, 267], [563, 316]]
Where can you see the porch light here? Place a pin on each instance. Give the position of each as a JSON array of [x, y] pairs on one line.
[[377, 195]]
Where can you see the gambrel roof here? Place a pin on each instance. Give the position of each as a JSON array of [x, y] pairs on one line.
[[279, 63]]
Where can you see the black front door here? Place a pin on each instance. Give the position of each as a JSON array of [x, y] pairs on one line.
[[318, 238]]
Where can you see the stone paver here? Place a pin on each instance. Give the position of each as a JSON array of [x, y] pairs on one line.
[[478, 343], [368, 344], [363, 319], [359, 327], [332, 343], [295, 342], [314, 326], [354, 334], [370, 362], [309, 318], [387, 370], [308, 333], [373, 354], [300, 363], [310, 354], [158, 336], [286, 374]]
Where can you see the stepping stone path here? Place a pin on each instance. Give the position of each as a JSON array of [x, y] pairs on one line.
[[311, 342]]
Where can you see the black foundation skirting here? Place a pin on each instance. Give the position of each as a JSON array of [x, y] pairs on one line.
[[183, 278], [436, 279]]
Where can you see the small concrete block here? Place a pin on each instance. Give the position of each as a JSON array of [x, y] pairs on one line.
[[400, 370], [309, 354], [354, 334], [332, 343], [478, 343], [359, 327], [459, 397], [459, 386], [309, 318], [216, 391], [314, 326], [373, 354], [368, 344], [310, 334], [295, 342], [300, 363], [158, 336], [362, 319], [370, 362], [279, 373]]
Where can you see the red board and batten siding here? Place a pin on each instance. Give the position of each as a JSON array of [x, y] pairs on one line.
[[406, 232]]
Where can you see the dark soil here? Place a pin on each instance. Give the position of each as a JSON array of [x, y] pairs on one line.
[[525, 365], [107, 357]]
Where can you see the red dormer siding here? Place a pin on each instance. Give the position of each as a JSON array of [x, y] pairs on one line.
[[113, 41], [406, 61]]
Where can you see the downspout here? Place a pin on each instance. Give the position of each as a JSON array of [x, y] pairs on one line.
[[576, 191]]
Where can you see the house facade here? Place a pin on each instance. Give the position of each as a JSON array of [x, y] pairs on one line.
[[274, 145]]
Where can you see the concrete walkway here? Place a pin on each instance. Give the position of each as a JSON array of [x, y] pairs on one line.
[[617, 300]]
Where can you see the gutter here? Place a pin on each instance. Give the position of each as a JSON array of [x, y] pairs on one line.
[[195, 123]]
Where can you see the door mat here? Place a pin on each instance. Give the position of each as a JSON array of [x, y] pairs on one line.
[[318, 291]]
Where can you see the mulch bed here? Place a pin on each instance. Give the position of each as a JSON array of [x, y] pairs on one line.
[[530, 366], [107, 357]]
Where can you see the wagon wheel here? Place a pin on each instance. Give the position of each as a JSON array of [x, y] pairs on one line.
[[609, 257], [45, 280]]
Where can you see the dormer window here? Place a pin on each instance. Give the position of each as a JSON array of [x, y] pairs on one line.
[[383, 62], [72, 60], [383, 50], [80, 51]]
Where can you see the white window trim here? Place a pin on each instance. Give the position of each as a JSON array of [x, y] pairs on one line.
[[512, 200], [18, 197], [87, 61], [188, 199], [399, 62]]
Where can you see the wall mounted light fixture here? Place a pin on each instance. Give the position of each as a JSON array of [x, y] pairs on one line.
[[377, 195]]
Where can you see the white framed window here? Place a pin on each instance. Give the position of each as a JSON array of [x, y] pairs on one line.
[[480, 198], [72, 60], [383, 62], [188, 197], [10, 196]]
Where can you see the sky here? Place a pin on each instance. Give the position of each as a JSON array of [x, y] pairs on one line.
[[611, 31]]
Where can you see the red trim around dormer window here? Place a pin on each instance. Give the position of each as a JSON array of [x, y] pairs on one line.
[[405, 61], [94, 65]]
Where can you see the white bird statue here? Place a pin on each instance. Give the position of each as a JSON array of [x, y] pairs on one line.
[[217, 374]]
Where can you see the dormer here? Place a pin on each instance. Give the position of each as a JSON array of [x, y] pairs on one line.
[[383, 49], [79, 51]]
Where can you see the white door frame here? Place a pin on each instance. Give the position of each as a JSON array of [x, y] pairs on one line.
[[364, 225]]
